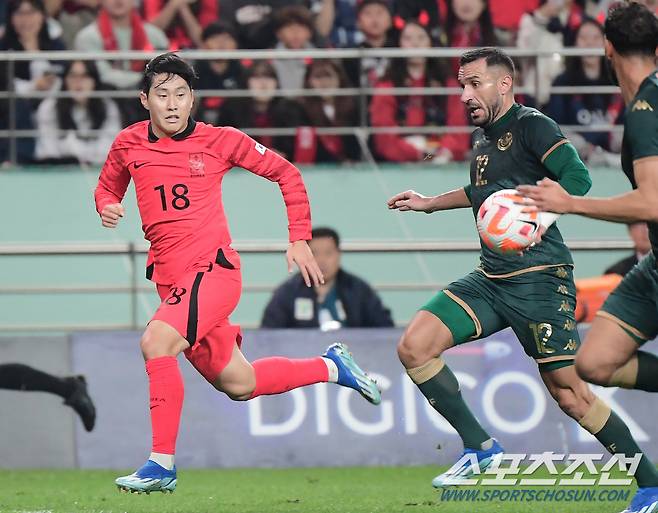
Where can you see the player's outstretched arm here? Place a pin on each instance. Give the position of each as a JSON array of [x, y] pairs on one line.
[[299, 253], [111, 214], [412, 200], [640, 204]]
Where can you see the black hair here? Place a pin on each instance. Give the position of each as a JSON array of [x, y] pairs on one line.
[[492, 56], [219, 27], [95, 106], [487, 34], [632, 29], [362, 4], [171, 64], [435, 69], [11, 39], [324, 231]]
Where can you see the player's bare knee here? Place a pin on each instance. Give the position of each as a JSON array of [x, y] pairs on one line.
[[240, 391], [413, 351]]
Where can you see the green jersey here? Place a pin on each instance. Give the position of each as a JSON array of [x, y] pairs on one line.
[[511, 152], [641, 136]]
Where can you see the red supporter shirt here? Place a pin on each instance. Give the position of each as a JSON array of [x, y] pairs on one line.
[[178, 182]]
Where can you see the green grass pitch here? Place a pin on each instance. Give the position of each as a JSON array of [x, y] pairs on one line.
[[305, 490]]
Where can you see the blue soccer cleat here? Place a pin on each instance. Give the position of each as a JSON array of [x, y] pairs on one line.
[[350, 374], [458, 475], [644, 501], [150, 478]]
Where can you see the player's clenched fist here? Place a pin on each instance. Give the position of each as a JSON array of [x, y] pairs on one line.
[[111, 214]]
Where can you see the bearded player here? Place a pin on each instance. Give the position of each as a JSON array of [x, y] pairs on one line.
[[178, 165], [532, 293]]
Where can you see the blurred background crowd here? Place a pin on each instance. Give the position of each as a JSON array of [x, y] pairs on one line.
[[79, 126]]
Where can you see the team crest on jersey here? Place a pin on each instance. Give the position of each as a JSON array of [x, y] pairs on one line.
[[505, 141], [642, 105], [197, 166]]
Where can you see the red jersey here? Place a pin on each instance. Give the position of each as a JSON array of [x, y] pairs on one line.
[[178, 182]]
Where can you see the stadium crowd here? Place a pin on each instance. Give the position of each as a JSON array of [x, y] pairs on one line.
[[79, 127]]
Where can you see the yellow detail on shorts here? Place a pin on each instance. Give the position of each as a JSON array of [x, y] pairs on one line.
[[468, 310], [541, 333], [522, 271], [569, 325], [571, 345], [561, 272], [623, 324], [562, 289], [565, 307]]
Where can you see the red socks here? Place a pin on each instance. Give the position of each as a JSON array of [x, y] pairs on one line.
[[276, 374], [166, 392]]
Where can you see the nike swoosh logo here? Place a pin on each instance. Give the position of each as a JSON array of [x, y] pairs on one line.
[[531, 223], [137, 166]]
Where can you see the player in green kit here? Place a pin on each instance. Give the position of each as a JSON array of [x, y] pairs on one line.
[[611, 355], [532, 293]]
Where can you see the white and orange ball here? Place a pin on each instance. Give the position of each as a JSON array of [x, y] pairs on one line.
[[503, 226]]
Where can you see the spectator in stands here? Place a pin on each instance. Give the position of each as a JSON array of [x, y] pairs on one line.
[[262, 109], [639, 233], [374, 21], [335, 22], [430, 13], [294, 31], [468, 24], [77, 115], [218, 73], [254, 20], [506, 17], [120, 27], [182, 20], [326, 110], [343, 299], [549, 28], [72, 15], [587, 109], [416, 110], [26, 30]]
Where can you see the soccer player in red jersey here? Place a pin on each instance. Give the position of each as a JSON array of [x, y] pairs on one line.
[[177, 165]]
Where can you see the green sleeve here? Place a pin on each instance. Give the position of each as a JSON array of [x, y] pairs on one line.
[[641, 129], [542, 135], [570, 171], [467, 190]]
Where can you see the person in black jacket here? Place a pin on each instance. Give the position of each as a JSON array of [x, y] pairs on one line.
[[343, 301], [639, 233]]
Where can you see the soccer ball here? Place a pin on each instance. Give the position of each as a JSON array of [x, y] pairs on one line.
[[502, 225]]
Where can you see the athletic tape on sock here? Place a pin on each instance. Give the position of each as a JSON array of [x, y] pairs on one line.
[[596, 417], [420, 375], [626, 375]]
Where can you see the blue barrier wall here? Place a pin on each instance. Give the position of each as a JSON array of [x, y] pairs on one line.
[[326, 425]]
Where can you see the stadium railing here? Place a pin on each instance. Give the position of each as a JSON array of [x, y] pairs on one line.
[[133, 251], [361, 131]]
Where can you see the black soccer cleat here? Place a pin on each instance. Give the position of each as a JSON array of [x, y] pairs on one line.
[[81, 402]]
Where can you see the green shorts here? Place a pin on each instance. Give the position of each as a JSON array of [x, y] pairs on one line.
[[538, 305], [634, 303]]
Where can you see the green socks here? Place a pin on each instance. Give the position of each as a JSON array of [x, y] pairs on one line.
[[439, 385], [639, 373], [615, 436]]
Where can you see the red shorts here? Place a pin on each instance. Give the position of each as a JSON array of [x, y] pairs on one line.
[[198, 306]]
